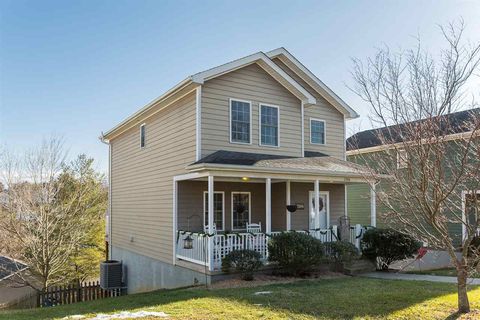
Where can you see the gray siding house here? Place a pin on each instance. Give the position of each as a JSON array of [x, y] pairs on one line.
[[217, 159]]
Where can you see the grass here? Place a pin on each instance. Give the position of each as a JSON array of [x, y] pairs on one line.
[[449, 272], [341, 298]]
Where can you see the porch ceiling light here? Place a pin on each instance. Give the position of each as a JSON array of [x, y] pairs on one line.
[[245, 178], [188, 242]]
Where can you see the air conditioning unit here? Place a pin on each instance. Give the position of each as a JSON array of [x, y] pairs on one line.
[[111, 274]]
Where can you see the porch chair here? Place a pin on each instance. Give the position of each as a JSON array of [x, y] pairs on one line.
[[254, 227]]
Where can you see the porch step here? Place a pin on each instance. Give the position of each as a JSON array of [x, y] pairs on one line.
[[358, 267]]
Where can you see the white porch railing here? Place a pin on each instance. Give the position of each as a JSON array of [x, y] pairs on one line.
[[223, 244]]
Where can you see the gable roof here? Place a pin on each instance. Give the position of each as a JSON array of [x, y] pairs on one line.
[[308, 76], [459, 122], [264, 61]]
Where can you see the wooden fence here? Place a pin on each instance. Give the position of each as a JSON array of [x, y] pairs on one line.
[[86, 291]]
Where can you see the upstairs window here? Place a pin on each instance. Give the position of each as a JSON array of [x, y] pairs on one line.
[[240, 121], [317, 131], [402, 159], [269, 125], [142, 136]]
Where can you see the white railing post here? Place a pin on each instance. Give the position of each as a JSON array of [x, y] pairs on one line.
[[268, 205], [317, 204], [289, 217], [210, 222]]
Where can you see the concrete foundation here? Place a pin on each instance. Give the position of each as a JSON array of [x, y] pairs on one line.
[[434, 259], [144, 274]]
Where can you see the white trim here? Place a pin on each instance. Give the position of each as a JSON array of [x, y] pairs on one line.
[[223, 208], [260, 124], [144, 136], [299, 91], [198, 123], [230, 120], [345, 199], [325, 91], [310, 196], [303, 128], [373, 205], [249, 207], [211, 192], [175, 222], [190, 176], [324, 131], [110, 245]]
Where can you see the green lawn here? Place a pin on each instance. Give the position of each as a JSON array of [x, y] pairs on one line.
[[449, 272], [342, 298]]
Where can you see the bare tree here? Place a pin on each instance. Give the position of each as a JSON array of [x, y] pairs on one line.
[[47, 213], [431, 159]]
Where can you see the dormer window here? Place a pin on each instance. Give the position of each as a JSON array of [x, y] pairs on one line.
[[240, 121], [317, 131], [142, 136]]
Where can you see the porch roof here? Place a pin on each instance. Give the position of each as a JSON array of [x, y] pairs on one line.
[[314, 163]]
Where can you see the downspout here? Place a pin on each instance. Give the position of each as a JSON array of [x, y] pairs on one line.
[[109, 210]]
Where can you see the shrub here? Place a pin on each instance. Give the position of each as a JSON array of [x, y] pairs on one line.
[[296, 253], [384, 246], [244, 261], [342, 251]]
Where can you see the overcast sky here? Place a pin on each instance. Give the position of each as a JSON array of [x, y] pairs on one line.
[[77, 68]]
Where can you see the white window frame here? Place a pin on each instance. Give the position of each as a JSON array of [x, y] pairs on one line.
[[230, 100], [324, 131], [249, 207], [206, 209], [144, 136], [260, 125], [464, 216], [401, 165]]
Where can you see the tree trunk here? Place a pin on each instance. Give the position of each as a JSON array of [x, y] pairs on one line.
[[463, 303]]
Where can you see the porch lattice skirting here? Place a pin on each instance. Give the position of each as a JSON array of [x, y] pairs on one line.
[[223, 244]]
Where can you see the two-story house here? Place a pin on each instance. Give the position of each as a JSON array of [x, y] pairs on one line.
[[211, 165]]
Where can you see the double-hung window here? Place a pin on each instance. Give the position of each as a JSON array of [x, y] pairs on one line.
[[240, 121], [317, 131], [240, 210], [269, 125], [218, 209]]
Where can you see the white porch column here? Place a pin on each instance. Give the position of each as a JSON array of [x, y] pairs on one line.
[[289, 217], [373, 206], [317, 204], [210, 221], [268, 205]]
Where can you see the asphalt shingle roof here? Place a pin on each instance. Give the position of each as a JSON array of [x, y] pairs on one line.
[[313, 161], [9, 267], [458, 123]]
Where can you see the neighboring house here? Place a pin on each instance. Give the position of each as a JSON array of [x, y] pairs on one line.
[[12, 293], [365, 145], [224, 152]]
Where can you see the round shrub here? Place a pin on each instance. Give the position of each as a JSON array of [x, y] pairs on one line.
[[244, 261], [296, 253], [342, 251], [385, 246]]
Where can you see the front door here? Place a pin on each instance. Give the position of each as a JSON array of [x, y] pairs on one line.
[[322, 220]]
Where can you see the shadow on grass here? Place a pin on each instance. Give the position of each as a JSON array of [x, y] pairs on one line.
[[342, 298]]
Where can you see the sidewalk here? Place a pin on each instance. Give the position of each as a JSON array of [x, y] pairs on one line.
[[415, 277]]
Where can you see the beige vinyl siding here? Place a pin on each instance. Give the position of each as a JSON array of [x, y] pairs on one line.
[[253, 84], [142, 179], [300, 194], [334, 120]]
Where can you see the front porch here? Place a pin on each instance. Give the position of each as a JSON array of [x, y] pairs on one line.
[[264, 203], [233, 200]]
